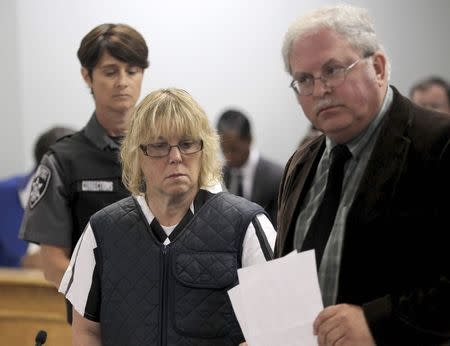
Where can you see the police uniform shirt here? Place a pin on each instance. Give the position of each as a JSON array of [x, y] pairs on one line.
[[48, 217], [77, 283]]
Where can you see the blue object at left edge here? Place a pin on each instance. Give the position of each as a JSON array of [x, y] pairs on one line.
[[11, 213]]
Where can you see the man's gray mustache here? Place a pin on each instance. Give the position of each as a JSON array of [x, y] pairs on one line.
[[325, 103]]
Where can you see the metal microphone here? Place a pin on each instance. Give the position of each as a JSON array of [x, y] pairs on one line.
[[41, 338]]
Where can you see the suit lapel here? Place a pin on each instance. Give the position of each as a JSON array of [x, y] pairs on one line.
[[295, 189], [384, 168], [258, 183], [226, 177]]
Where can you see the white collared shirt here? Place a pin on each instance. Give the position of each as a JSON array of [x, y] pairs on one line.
[[247, 172]]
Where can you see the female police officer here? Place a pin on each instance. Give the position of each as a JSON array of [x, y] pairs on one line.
[[81, 174]]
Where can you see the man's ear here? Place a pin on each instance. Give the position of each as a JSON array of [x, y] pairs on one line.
[[87, 78], [379, 61]]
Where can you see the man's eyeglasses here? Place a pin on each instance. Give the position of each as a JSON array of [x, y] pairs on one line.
[[332, 76], [162, 149]]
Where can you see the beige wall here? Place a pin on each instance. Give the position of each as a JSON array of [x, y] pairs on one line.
[[225, 52]]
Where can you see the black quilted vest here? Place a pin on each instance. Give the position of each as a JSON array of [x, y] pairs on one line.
[[153, 294], [81, 160]]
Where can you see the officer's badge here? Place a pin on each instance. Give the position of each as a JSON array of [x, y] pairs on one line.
[[39, 185]]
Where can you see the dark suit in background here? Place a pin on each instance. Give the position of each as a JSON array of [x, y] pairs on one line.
[[259, 176], [266, 182]]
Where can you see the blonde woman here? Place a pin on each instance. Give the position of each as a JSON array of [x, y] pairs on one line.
[[154, 268]]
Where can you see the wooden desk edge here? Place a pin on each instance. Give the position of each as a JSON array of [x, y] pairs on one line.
[[13, 276]]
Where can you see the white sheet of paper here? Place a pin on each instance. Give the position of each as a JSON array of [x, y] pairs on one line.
[[276, 302]]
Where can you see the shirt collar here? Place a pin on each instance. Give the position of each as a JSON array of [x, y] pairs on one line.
[[148, 213], [96, 133], [356, 145]]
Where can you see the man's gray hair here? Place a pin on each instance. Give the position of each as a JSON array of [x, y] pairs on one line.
[[352, 23]]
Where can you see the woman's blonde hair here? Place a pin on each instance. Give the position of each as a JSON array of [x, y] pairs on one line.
[[168, 113]]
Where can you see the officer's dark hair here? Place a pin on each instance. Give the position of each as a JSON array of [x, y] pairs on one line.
[[425, 84], [47, 139], [236, 121], [120, 40]]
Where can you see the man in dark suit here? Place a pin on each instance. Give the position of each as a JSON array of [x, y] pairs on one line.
[[370, 195], [246, 172]]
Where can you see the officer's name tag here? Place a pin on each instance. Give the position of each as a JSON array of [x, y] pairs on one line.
[[96, 185]]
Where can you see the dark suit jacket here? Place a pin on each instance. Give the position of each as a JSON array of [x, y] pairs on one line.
[[265, 187], [395, 258]]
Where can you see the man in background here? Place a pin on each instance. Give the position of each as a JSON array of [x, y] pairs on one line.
[[432, 93], [14, 193], [246, 172]]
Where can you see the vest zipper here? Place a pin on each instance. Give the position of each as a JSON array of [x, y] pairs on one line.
[[164, 293]]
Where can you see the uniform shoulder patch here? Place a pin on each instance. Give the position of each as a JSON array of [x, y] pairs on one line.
[[39, 185]]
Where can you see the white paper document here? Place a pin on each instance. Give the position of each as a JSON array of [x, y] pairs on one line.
[[277, 302]]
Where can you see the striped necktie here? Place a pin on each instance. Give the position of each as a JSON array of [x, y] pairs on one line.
[[323, 221]]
